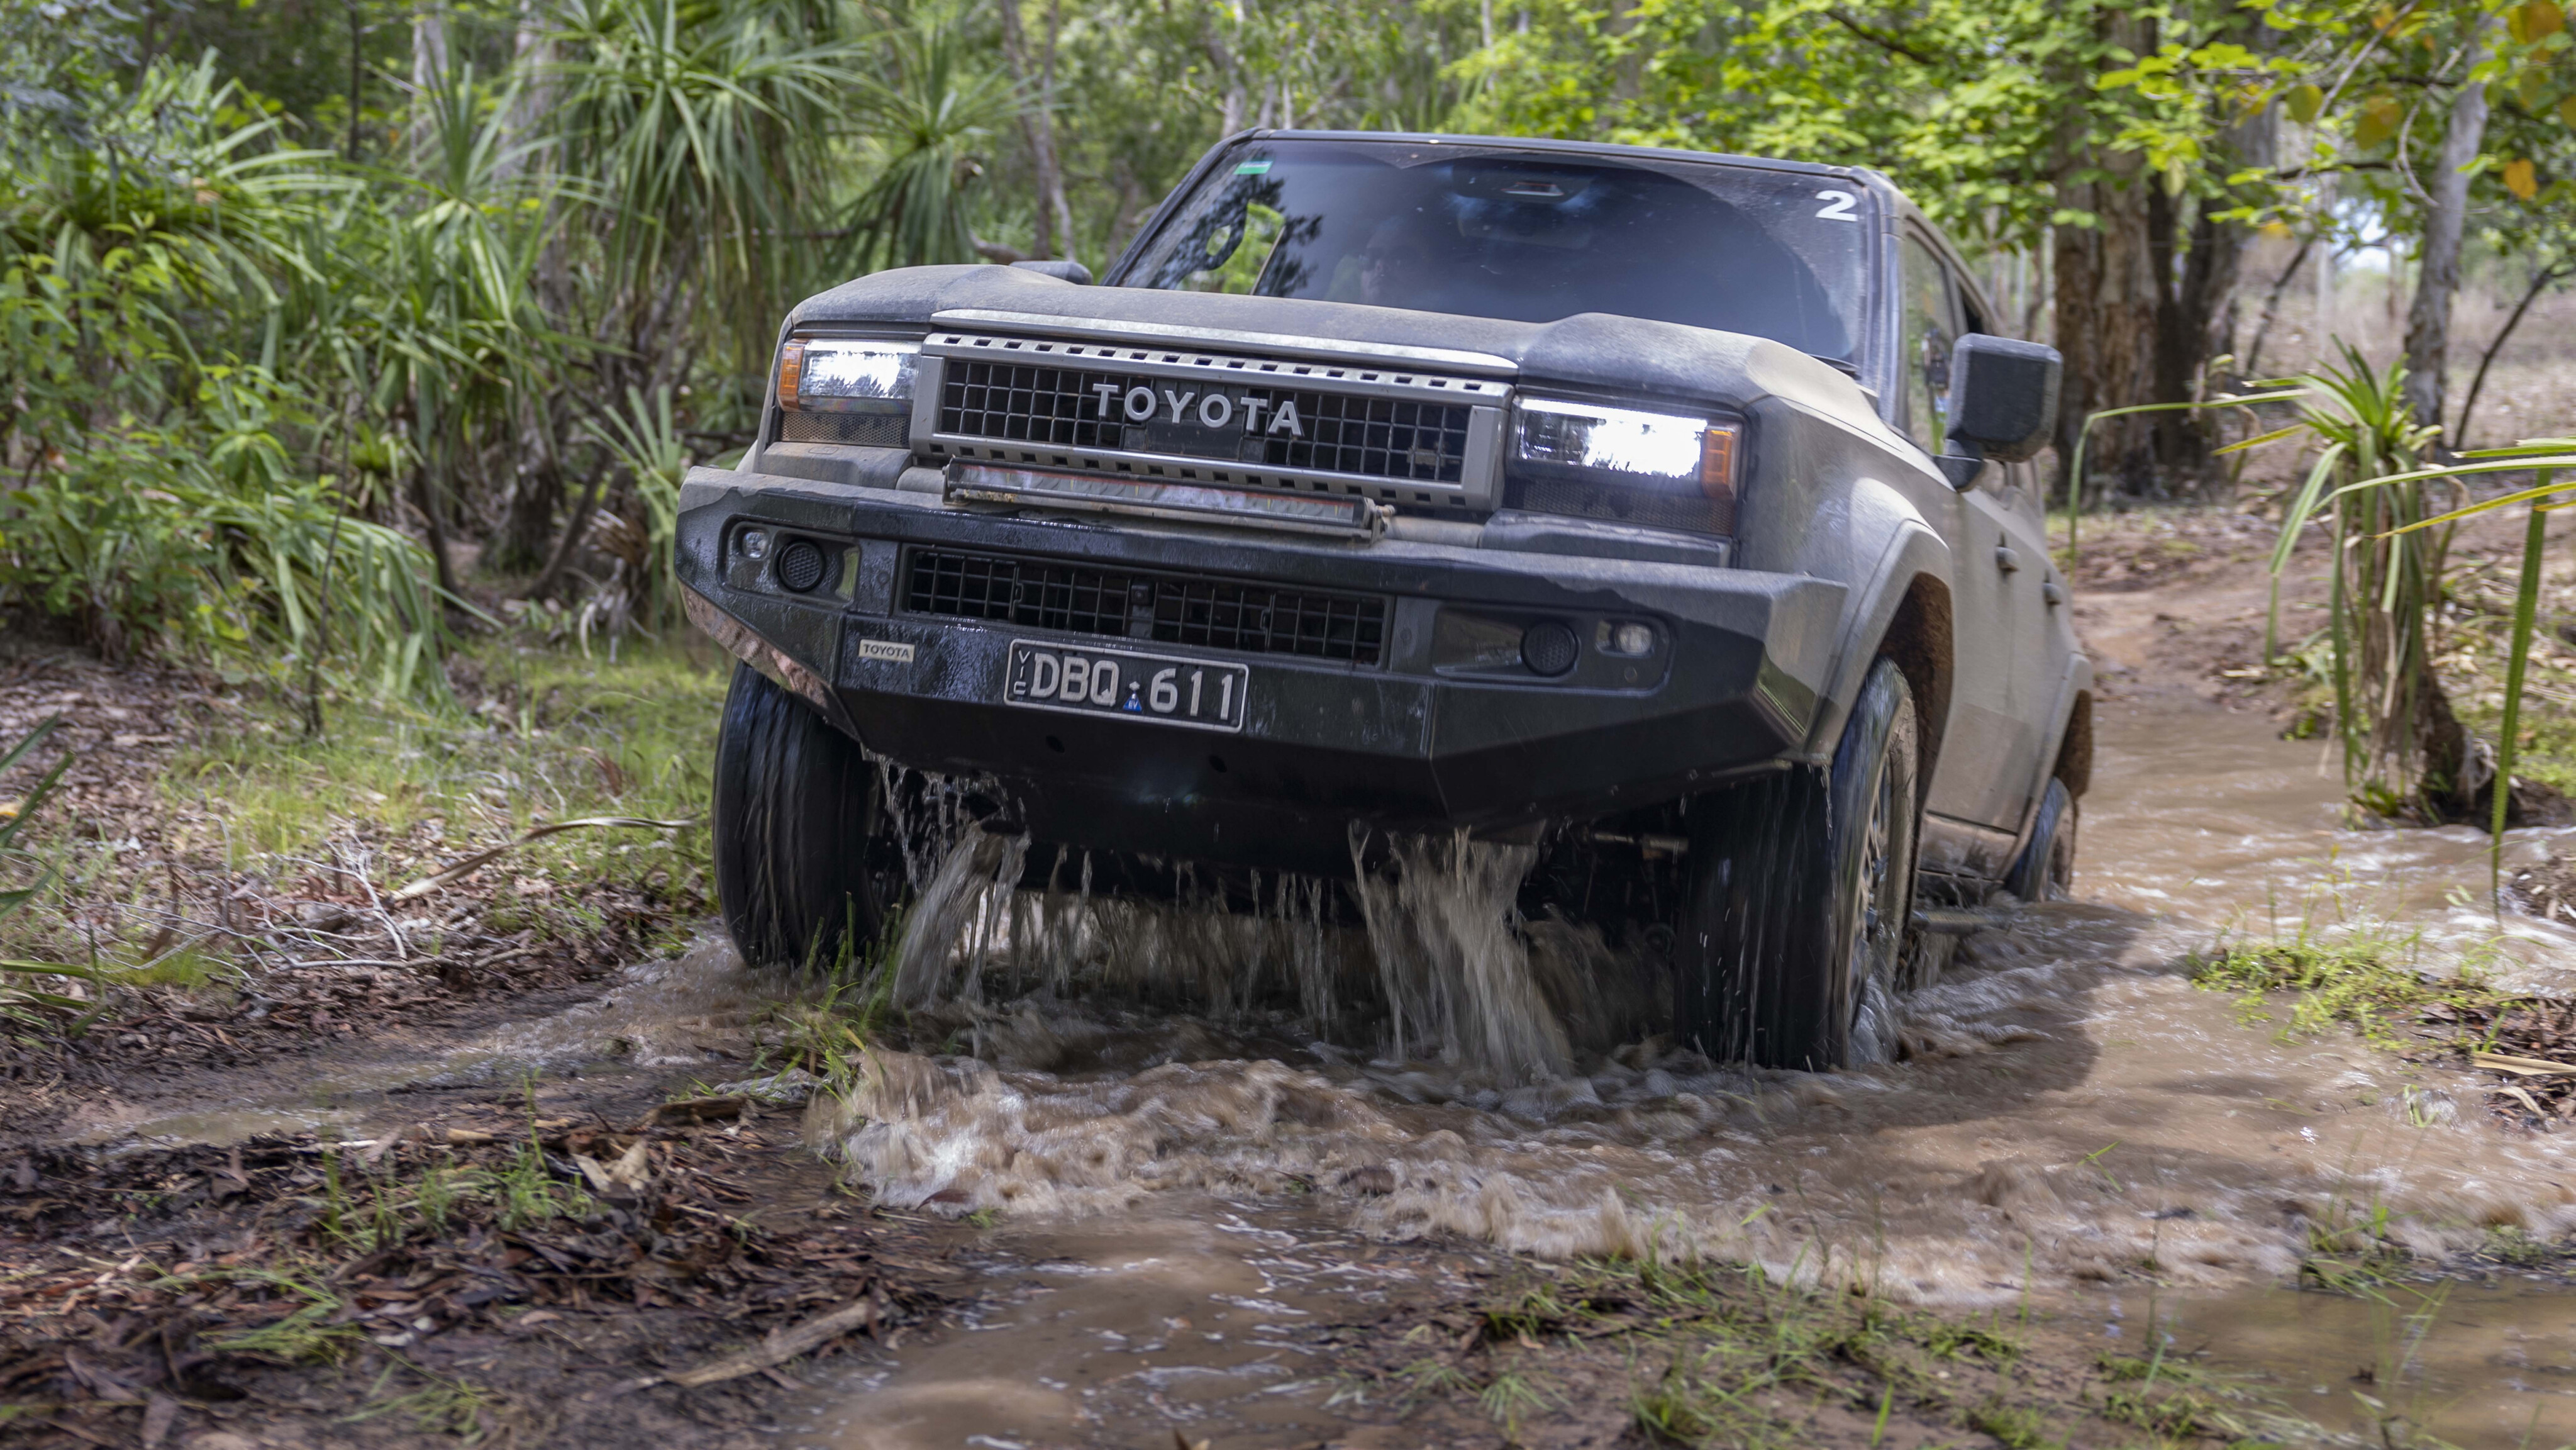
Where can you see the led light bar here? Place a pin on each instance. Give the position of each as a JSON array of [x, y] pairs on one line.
[[1348, 517]]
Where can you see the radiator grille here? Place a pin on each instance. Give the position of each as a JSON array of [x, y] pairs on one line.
[[1060, 407], [1207, 613]]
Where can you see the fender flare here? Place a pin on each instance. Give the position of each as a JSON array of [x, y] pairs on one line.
[[1909, 582]]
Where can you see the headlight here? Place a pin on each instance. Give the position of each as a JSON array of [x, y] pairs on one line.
[[1660, 469], [846, 375]]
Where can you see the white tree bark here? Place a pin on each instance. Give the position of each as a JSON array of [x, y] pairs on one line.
[[2428, 322]]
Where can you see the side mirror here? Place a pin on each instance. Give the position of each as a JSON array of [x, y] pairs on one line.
[[2003, 400], [1065, 269]]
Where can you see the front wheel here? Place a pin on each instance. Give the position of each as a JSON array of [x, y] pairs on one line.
[[1800, 897], [797, 811]]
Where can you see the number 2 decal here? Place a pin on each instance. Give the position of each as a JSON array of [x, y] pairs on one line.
[[1838, 206]]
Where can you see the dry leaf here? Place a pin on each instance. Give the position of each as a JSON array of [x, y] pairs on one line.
[[2521, 1066], [159, 1414], [2528, 1100]]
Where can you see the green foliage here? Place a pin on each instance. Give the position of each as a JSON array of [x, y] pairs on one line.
[[305, 1335], [148, 244], [558, 735], [2363, 979], [1978, 109], [702, 137], [2543, 458], [1727, 1355], [929, 113], [2403, 752], [22, 1003], [266, 320]]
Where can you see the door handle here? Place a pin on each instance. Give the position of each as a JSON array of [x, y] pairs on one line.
[[2006, 559]]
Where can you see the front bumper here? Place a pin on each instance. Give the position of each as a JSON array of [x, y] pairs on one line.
[[1398, 745]]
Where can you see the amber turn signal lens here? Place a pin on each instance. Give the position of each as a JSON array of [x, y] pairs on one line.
[[1717, 451], [791, 374]]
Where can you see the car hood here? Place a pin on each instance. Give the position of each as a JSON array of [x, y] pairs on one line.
[[1592, 351]]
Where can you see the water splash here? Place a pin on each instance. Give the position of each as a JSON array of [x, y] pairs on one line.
[[1442, 966], [1453, 969]]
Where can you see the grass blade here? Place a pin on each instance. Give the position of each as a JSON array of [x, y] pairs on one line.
[[2526, 606]]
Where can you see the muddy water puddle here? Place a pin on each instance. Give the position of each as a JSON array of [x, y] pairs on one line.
[[1171, 1194], [2476, 1365], [2070, 1116], [1120, 1330]]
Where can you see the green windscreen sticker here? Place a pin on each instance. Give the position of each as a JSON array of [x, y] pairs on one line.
[[1252, 168]]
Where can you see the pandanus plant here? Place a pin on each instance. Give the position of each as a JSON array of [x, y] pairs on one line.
[[2404, 751], [18, 1002], [2542, 458]]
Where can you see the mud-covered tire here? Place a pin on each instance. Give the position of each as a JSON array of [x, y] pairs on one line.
[[1800, 897], [797, 804], [2046, 870]]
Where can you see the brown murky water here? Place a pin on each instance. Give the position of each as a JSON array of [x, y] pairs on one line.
[[1172, 1192], [2071, 1112]]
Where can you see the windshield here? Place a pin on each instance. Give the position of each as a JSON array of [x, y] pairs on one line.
[[1523, 236]]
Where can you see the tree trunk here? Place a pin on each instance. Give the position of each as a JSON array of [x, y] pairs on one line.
[[357, 77], [2106, 316], [2428, 323], [533, 61], [2191, 300], [528, 521], [425, 498], [2105, 298], [1037, 129]]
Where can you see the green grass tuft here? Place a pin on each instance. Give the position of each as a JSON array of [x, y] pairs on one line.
[[2366, 981]]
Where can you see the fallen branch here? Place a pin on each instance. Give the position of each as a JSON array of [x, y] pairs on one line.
[[780, 1346], [466, 867]]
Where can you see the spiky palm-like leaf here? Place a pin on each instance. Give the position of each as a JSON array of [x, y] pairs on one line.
[[2403, 750], [927, 115]]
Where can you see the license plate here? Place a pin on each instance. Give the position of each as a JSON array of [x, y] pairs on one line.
[[1137, 687]]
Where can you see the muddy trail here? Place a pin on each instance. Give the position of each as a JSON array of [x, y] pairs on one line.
[[2090, 1201]]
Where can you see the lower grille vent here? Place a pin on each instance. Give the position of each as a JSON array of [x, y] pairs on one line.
[[1209, 613], [871, 430]]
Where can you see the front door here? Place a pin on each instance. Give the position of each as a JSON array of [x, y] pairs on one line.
[[1990, 750]]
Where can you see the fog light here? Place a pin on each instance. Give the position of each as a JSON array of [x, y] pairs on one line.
[[800, 565], [1549, 647], [1630, 639], [755, 544]]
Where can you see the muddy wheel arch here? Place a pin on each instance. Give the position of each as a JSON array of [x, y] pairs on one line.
[[1907, 616]]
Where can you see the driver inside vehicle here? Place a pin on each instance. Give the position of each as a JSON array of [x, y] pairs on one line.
[[1395, 268]]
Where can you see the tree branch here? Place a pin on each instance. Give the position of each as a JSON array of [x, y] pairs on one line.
[[1880, 38], [2540, 280]]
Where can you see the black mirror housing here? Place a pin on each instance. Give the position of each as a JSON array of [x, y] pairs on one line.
[[1063, 269], [2003, 396]]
